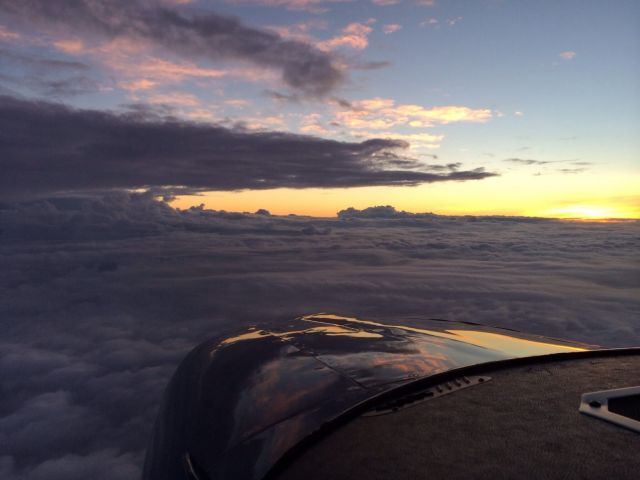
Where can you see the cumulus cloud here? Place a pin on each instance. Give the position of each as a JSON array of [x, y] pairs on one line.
[[568, 55], [355, 35], [383, 113], [46, 147], [200, 35], [382, 211], [100, 297]]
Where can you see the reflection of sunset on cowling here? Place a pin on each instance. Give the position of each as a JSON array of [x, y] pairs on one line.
[[293, 378], [509, 344]]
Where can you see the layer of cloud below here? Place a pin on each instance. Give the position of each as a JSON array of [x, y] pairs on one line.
[[101, 297]]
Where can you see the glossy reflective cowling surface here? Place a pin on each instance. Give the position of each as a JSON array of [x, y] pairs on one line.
[[236, 404]]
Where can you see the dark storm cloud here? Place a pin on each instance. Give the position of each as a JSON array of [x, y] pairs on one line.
[[47, 147], [193, 34], [100, 298]]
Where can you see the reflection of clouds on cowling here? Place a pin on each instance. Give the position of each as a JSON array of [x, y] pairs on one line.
[[101, 297]]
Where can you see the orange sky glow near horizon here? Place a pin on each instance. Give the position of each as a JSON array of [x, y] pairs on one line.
[[593, 196]]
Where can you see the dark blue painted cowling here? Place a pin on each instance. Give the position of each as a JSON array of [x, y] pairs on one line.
[[237, 404]]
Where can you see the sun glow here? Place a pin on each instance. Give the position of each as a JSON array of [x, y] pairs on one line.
[[587, 212]]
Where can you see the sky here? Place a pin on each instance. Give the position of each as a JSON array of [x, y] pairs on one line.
[[307, 106]]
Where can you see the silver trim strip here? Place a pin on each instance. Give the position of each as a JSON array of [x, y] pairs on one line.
[[596, 404]]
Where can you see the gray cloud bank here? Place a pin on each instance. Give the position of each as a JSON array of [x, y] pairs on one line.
[[194, 34], [101, 297], [47, 148]]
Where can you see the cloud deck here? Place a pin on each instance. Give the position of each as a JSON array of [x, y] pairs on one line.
[[101, 297]]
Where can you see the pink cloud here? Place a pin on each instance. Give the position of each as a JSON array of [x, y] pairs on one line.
[[159, 69], [429, 22], [190, 34], [314, 6], [174, 98], [137, 85], [391, 28], [8, 35], [237, 102], [272, 122], [382, 113], [200, 115], [137, 68], [300, 31], [310, 124], [355, 35], [568, 55], [72, 46]]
